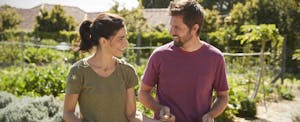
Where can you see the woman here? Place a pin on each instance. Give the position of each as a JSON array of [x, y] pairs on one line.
[[102, 84]]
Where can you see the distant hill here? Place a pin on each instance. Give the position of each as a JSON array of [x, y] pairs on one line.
[[153, 16]]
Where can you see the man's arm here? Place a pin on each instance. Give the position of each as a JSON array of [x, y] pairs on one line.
[[218, 106], [147, 100]]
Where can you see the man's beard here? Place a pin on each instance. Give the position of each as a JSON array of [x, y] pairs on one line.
[[181, 41], [178, 43]]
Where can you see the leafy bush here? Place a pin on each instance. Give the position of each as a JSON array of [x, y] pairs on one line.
[[32, 109], [5, 99], [10, 54], [35, 80], [44, 55], [248, 108]]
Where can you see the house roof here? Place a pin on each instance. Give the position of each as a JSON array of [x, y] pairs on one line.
[[156, 16]]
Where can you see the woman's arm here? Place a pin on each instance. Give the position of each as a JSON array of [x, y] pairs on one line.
[[69, 108], [131, 106]]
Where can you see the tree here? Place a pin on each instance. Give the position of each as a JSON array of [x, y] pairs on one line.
[[286, 15], [54, 21], [260, 34], [224, 6], [9, 18]]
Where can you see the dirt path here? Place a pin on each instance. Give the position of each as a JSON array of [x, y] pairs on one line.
[[281, 111]]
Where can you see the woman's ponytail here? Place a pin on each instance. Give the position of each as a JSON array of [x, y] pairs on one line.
[[85, 36]]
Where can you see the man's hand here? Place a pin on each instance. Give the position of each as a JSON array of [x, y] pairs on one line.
[[165, 114], [207, 118]]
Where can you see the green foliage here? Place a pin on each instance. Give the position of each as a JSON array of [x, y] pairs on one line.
[[10, 54], [41, 55], [32, 109], [12, 35], [297, 54], [212, 21], [285, 93], [9, 18], [34, 80], [49, 24], [130, 55], [243, 14], [224, 6], [134, 19], [248, 108], [152, 38], [224, 36], [284, 14], [263, 32], [266, 36]]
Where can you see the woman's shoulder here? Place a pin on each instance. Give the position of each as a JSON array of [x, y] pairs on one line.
[[124, 64], [79, 64]]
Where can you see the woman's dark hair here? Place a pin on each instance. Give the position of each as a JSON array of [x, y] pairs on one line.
[[105, 25]]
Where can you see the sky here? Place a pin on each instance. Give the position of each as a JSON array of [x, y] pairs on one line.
[[86, 5]]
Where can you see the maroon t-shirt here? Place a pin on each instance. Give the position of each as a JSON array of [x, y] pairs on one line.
[[185, 80]]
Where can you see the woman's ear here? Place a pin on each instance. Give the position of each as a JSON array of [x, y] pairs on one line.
[[102, 41]]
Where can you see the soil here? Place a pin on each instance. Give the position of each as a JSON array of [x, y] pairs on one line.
[[277, 111]]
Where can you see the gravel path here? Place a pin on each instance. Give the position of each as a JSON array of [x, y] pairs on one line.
[[281, 111]]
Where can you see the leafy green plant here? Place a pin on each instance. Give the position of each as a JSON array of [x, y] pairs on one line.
[[248, 108], [285, 93], [35, 80]]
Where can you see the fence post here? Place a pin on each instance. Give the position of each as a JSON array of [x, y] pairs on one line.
[[138, 44], [23, 50], [283, 58]]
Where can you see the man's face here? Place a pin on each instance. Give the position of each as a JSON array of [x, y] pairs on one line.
[[179, 31]]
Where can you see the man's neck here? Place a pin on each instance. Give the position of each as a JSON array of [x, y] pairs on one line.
[[192, 45]]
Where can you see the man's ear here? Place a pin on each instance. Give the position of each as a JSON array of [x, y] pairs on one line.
[[195, 28]]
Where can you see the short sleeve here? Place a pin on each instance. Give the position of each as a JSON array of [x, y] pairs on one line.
[[132, 79], [151, 73], [220, 82], [74, 81]]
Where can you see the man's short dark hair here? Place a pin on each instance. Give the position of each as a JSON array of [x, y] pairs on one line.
[[191, 11]]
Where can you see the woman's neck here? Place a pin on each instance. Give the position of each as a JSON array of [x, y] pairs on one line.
[[102, 60]]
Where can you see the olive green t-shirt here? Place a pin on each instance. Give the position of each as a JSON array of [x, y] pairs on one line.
[[101, 99]]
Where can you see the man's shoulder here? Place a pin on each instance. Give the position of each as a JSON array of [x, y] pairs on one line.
[[164, 48], [212, 50]]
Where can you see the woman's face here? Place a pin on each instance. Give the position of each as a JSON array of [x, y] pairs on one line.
[[118, 43]]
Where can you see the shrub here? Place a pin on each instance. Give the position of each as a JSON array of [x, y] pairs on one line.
[[248, 108], [35, 80], [5, 99], [33, 109]]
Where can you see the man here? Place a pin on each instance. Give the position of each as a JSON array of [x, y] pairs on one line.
[[185, 71]]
